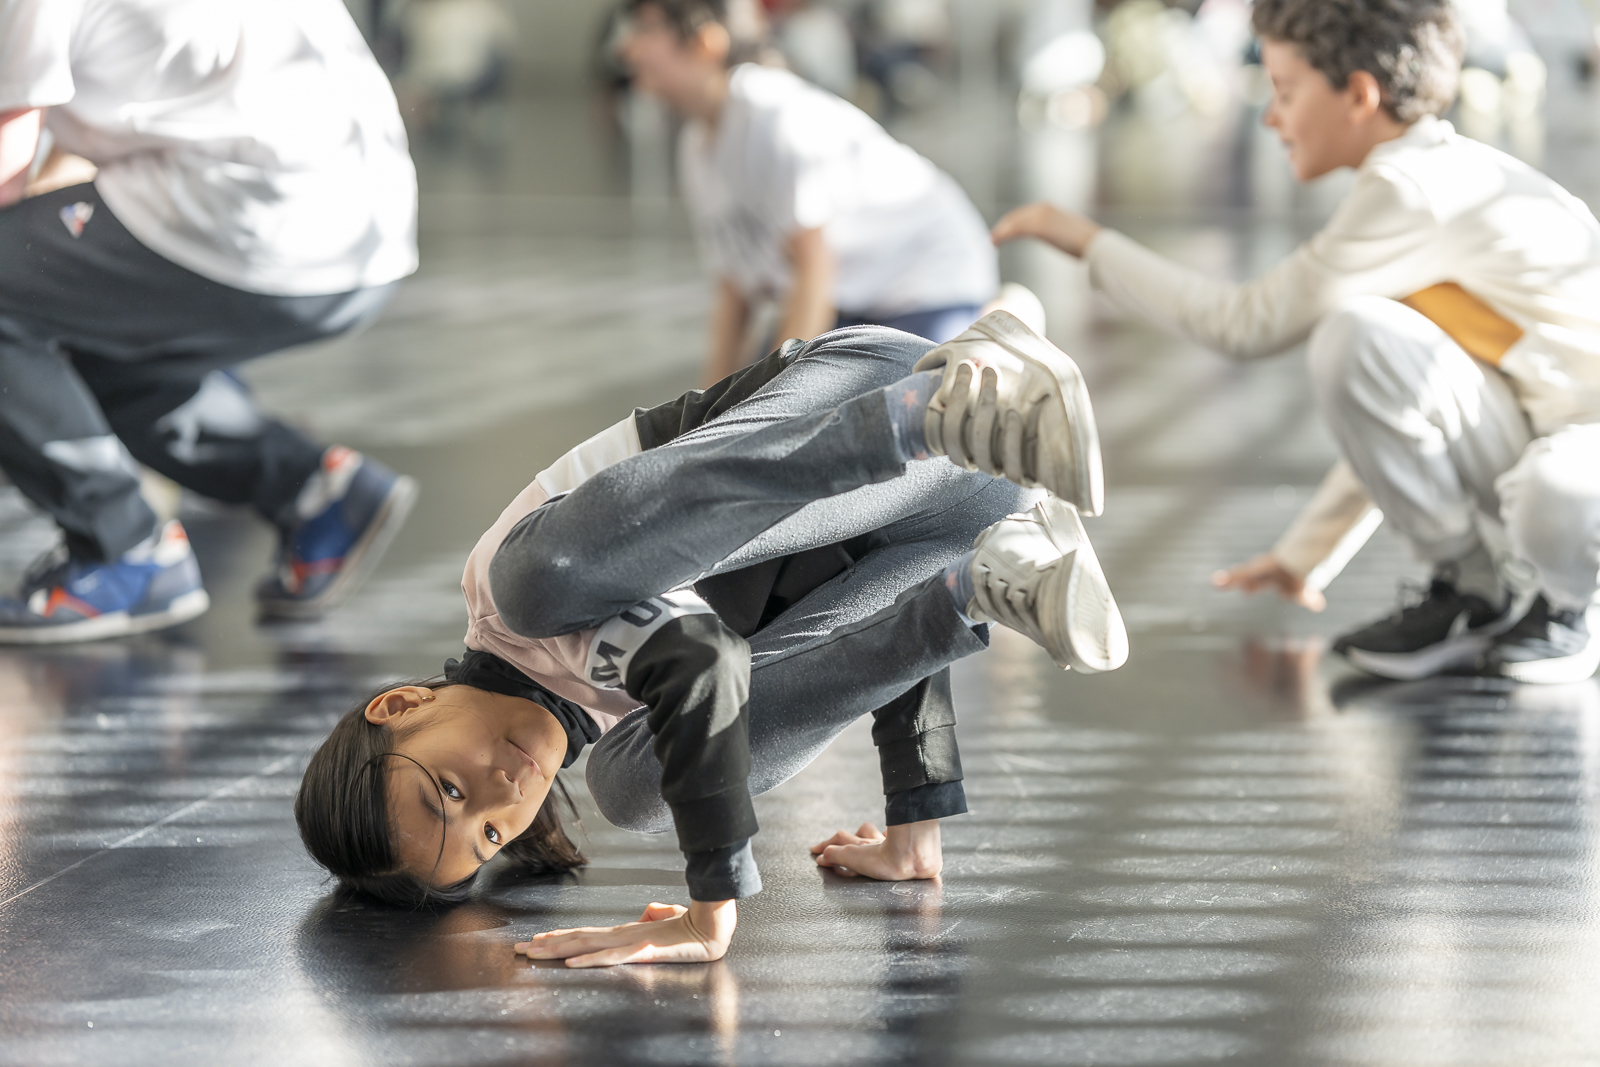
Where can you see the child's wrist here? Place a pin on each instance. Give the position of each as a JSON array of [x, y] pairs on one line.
[[714, 920], [916, 846]]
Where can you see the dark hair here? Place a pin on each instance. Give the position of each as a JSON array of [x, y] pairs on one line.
[[342, 810], [1412, 47], [741, 18]]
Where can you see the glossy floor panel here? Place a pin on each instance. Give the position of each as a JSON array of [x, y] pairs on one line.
[[1231, 850]]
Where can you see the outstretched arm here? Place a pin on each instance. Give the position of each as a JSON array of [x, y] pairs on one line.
[[1329, 530], [674, 656], [808, 308], [1382, 241], [730, 316], [1242, 320], [19, 142]]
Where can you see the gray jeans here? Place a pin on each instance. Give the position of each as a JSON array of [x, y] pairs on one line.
[[807, 460]]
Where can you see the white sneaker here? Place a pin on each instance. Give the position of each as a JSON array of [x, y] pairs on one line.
[[1035, 572], [1014, 405], [1023, 303]]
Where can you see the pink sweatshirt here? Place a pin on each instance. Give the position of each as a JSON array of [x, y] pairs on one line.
[[555, 662]]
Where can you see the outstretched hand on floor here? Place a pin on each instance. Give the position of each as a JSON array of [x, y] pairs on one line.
[[908, 851], [1267, 572], [665, 933]]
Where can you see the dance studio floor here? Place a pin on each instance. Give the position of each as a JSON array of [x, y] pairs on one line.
[[1231, 850]]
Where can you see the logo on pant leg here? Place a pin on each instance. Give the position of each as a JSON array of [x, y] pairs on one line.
[[614, 643], [76, 216]]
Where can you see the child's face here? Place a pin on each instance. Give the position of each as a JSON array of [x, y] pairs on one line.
[[490, 760], [665, 65], [1316, 122]]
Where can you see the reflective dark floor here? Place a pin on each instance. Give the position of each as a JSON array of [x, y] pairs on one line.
[[1229, 850]]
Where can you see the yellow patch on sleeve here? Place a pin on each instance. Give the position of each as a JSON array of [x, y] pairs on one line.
[[1481, 331]]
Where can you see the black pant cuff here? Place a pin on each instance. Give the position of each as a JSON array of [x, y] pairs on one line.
[[714, 822], [935, 801], [722, 873], [930, 756]]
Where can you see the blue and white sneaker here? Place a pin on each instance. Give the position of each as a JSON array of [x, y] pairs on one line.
[[150, 587], [349, 511]]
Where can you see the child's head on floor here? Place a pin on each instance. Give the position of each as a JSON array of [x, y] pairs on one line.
[[1346, 73], [421, 783]]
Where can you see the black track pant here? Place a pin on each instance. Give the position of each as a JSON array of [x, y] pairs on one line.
[[109, 350]]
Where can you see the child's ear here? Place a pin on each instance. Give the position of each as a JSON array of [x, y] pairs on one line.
[[714, 42], [385, 708], [1364, 92]]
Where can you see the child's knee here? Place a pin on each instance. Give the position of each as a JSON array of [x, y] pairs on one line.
[[1550, 503], [533, 582], [881, 355]]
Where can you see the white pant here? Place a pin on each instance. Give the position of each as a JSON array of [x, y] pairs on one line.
[[1439, 440]]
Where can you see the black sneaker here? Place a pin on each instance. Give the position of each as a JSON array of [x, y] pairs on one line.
[[1547, 647], [1441, 629]]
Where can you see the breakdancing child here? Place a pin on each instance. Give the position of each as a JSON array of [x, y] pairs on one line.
[[1452, 304], [707, 593]]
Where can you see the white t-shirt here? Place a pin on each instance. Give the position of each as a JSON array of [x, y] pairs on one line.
[[255, 142], [787, 156]]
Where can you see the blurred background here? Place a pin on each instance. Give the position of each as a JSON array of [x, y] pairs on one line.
[[561, 286], [1425, 895], [558, 265]]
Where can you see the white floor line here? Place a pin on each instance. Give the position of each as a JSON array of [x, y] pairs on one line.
[[220, 791]]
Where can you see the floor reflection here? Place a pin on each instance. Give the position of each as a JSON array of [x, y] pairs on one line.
[[1234, 849]]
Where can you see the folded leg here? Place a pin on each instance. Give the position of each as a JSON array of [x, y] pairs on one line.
[[1427, 428], [809, 460], [876, 640], [59, 450], [203, 430]]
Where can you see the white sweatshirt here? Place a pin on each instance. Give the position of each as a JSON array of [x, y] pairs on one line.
[[1428, 208]]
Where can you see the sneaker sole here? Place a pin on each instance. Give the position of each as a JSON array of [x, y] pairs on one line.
[[1463, 651], [1095, 637], [358, 562], [181, 609], [1575, 668], [1087, 491]]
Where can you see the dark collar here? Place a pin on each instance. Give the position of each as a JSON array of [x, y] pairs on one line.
[[485, 670]]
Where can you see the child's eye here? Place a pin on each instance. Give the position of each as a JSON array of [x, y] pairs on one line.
[[491, 833], [450, 790]]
